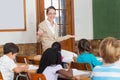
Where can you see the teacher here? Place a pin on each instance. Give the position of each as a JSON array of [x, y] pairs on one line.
[[48, 31]]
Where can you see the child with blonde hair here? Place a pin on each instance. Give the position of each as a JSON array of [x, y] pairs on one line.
[[110, 52]]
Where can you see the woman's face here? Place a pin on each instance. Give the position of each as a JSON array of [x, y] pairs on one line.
[[51, 14]]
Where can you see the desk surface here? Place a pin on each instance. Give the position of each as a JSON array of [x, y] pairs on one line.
[[31, 69], [82, 76]]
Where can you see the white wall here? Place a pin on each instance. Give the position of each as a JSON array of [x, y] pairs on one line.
[[83, 19], [83, 23], [28, 36]]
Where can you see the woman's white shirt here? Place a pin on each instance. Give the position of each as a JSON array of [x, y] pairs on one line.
[[52, 28]]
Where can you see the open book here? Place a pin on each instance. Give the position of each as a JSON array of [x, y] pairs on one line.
[[80, 72], [32, 67]]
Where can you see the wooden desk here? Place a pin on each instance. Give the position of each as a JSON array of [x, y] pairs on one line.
[[75, 77], [33, 59], [29, 70], [23, 75], [81, 77], [81, 74]]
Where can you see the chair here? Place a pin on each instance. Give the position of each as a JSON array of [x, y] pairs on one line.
[[1, 78], [22, 59], [35, 62], [81, 66], [36, 59], [36, 76]]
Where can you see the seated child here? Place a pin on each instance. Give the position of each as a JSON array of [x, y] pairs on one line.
[[50, 66], [110, 52], [85, 55], [7, 64], [67, 56]]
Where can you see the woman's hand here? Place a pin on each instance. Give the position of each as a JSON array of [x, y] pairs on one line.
[[39, 33], [72, 36]]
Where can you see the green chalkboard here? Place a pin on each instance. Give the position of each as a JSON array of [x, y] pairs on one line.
[[106, 18]]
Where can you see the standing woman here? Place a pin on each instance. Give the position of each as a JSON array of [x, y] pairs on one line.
[[48, 30]]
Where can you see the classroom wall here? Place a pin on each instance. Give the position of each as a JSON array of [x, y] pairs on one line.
[[83, 23], [28, 36]]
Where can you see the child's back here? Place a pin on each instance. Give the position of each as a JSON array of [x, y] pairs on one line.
[[110, 52]]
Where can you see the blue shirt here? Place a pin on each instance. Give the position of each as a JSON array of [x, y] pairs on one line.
[[87, 57]]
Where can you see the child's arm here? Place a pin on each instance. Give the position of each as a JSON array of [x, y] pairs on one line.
[[68, 74], [21, 68]]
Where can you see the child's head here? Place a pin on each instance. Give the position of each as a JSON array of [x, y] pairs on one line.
[[50, 57], [110, 49], [84, 45], [56, 46], [10, 48]]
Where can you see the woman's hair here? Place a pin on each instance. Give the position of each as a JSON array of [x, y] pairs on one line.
[[84, 45], [49, 57], [109, 49], [56, 46], [50, 7], [10, 47]]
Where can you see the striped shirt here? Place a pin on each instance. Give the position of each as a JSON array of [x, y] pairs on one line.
[[106, 72]]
